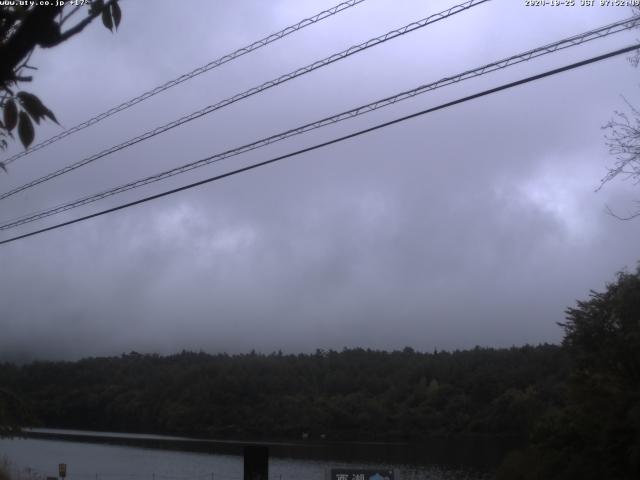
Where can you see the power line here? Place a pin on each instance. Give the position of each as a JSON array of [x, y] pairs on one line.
[[265, 86], [361, 110], [188, 76], [335, 140]]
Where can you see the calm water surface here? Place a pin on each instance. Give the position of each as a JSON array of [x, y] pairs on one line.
[[102, 456]]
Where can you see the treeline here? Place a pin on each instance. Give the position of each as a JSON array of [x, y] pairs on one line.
[[596, 432], [353, 394]]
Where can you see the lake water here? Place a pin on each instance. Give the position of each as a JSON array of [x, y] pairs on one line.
[[112, 456]]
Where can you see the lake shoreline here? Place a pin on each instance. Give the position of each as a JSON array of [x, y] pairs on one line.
[[32, 431], [477, 451], [93, 461]]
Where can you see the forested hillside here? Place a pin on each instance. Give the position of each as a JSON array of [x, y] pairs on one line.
[[352, 394]]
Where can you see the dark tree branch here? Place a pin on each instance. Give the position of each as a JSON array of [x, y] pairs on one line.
[[623, 141], [70, 14], [78, 27], [613, 214], [82, 24]]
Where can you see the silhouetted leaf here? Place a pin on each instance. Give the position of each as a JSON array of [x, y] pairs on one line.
[[96, 7], [116, 13], [10, 114], [48, 113], [34, 107], [106, 19], [25, 130], [4, 167]]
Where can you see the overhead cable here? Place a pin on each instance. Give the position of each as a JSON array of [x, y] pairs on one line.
[[331, 142], [361, 110], [240, 96], [188, 76]]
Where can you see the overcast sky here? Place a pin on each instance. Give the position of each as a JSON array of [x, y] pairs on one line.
[[474, 225]]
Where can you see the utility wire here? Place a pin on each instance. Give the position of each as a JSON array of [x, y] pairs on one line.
[[265, 86], [333, 141], [188, 76], [361, 110]]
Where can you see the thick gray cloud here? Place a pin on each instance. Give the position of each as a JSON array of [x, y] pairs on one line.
[[477, 224]]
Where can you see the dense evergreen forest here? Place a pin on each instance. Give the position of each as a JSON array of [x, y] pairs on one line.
[[353, 394]]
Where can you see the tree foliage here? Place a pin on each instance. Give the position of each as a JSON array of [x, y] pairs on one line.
[[597, 434], [353, 394], [13, 413], [23, 27]]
